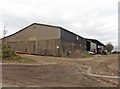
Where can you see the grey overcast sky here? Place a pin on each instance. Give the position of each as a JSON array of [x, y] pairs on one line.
[[97, 19]]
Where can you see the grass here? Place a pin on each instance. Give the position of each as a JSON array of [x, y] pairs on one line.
[[19, 60]]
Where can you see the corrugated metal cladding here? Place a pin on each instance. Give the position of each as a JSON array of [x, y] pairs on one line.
[[35, 32], [42, 47], [71, 42], [45, 39], [66, 35]]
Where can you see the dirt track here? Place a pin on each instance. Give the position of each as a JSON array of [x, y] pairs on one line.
[[61, 72]]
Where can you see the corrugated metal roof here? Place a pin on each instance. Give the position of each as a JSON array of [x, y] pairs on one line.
[[95, 41]]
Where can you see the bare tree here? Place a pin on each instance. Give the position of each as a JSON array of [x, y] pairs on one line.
[[4, 31], [109, 47], [4, 34]]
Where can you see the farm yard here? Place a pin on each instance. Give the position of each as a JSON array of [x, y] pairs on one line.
[[96, 71], [59, 44], [64, 59]]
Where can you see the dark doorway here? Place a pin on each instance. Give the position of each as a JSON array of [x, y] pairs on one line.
[[88, 46]]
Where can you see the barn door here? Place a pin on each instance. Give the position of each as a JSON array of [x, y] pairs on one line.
[[31, 47]]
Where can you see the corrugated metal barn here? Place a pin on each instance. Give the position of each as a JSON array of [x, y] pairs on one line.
[[45, 40], [94, 45]]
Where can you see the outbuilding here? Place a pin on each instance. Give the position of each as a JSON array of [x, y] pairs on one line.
[[94, 45], [44, 39]]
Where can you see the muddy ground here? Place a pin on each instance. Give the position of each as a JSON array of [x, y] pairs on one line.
[[62, 72]]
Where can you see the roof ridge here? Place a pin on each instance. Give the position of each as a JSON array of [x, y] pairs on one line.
[[47, 25]]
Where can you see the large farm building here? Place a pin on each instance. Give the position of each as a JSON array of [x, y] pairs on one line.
[[49, 40]]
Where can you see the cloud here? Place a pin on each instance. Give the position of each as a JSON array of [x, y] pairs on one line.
[[88, 18]]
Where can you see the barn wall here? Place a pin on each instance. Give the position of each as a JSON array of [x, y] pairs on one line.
[[71, 42], [67, 46], [35, 39], [41, 47], [46, 40], [35, 32]]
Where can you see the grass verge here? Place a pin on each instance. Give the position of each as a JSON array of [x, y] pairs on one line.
[[18, 60], [8, 55]]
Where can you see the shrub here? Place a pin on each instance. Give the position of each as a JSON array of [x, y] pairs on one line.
[[8, 53]]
